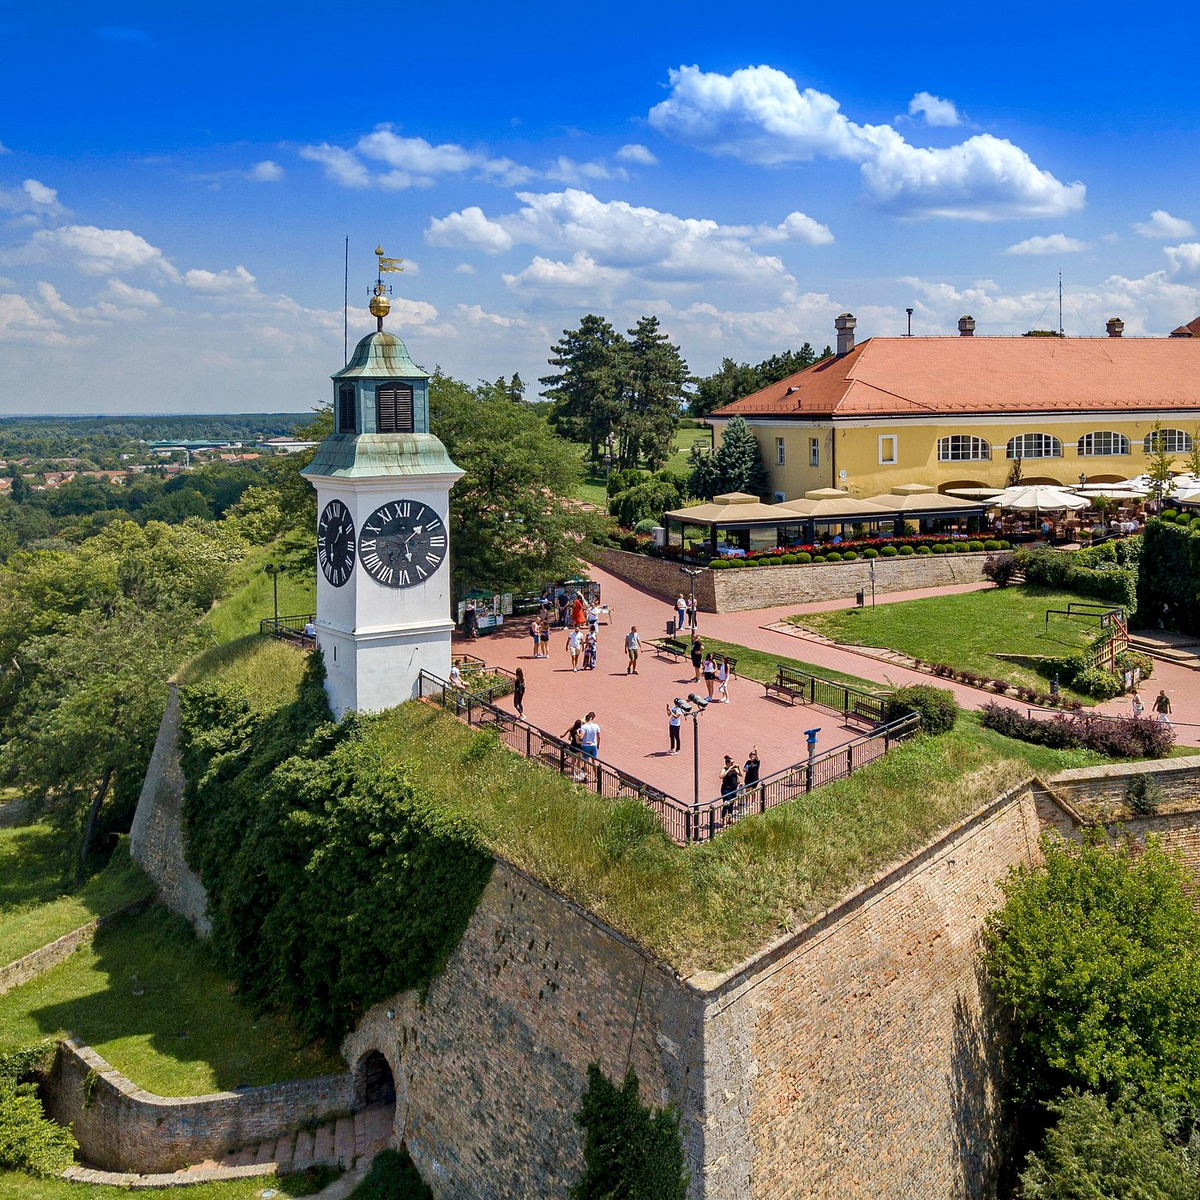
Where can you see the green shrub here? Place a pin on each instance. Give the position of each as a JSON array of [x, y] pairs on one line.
[[788, 560], [833, 556], [1143, 795], [718, 564], [1004, 545], [907, 550], [804, 557], [1130, 660], [991, 544], [870, 552], [937, 706], [959, 547], [630, 1149], [1168, 581], [849, 555], [1169, 514], [976, 547], [646, 525], [1067, 667], [29, 1140], [1094, 1152], [888, 552], [939, 548], [736, 562], [923, 549], [1098, 683], [818, 558], [392, 1177]]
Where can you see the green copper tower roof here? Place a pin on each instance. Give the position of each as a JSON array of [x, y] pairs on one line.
[[372, 455], [381, 356]]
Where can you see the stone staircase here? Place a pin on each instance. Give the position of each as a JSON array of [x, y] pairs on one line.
[[346, 1142], [1177, 648]]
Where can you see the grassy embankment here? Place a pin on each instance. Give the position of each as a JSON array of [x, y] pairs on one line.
[[14, 1186], [249, 595], [968, 630]]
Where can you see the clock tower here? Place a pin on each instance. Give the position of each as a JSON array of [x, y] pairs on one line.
[[383, 547]]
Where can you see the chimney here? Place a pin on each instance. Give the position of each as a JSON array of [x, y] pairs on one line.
[[966, 326], [845, 333], [1115, 326]]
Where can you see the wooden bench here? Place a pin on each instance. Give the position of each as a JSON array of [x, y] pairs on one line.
[[672, 648], [786, 690]]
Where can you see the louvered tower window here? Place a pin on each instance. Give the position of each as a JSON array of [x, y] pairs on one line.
[[347, 417], [394, 408]]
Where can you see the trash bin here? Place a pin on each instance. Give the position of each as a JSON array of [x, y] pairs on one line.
[[860, 597], [671, 627]]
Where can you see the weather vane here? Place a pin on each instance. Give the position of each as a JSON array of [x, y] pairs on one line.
[[380, 306]]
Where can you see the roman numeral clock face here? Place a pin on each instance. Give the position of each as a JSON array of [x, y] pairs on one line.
[[335, 543], [402, 543]]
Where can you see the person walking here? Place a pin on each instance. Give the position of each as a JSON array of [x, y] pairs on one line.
[[574, 647], [590, 646], [731, 775], [519, 693], [697, 657], [471, 621], [535, 632], [691, 613], [723, 680], [633, 646], [593, 616], [680, 614], [589, 743], [674, 721], [562, 602], [577, 611], [545, 638], [709, 671], [1162, 706], [1135, 703]]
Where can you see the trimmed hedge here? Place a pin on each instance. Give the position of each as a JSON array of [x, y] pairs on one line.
[[1116, 737], [1168, 584], [1097, 573], [937, 706]]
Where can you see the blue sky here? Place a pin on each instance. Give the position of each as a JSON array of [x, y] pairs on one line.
[[176, 183]]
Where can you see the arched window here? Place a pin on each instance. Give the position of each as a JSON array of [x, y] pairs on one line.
[[394, 408], [1103, 444], [347, 417], [959, 447], [1172, 441], [1034, 445]]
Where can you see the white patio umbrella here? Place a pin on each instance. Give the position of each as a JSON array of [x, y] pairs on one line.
[[1037, 498]]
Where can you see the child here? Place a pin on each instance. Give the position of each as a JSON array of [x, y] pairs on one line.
[[589, 652]]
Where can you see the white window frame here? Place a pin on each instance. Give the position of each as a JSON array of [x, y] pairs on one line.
[[814, 452], [891, 460], [780, 452], [1086, 447], [977, 449], [1019, 446], [1174, 441]]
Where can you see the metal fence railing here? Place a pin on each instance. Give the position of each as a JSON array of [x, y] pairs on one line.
[[292, 627], [683, 820], [849, 701]]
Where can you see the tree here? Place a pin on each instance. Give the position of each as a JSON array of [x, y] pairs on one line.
[[1159, 462], [1094, 1152], [20, 491], [1193, 458], [587, 391], [516, 389], [656, 378], [651, 498], [738, 461], [1014, 472], [1096, 954], [780, 366], [513, 522], [731, 382], [703, 478], [86, 719]]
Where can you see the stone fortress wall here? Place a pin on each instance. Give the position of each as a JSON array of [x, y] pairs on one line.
[[765, 587]]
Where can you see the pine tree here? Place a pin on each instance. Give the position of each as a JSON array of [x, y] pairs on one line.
[[738, 461], [657, 376], [703, 478], [588, 389], [516, 389]]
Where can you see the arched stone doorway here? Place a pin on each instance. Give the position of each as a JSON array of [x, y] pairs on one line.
[[375, 1085]]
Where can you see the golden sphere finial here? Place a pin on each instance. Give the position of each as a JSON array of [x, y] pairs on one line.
[[380, 306]]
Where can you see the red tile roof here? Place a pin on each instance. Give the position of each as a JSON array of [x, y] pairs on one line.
[[887, 376], [1191, 329]]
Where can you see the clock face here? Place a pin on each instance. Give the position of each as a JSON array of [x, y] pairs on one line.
[[335, 543], [402, 543]]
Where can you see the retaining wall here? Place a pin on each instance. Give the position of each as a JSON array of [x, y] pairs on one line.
[[156, 838], [121, 1127], [764, 587]]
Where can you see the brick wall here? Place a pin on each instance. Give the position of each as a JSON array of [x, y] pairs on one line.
[[1177, 779], [121, 1127], [764, 587], [156, 838]]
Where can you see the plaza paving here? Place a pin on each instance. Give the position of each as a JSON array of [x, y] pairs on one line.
[[631, 709]]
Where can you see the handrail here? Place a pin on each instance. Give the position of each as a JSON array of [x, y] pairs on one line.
[[293, 624]]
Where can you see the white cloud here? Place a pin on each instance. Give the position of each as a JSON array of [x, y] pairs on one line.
[[1163, 225], [464, 268], [95, 251], [1184, 257], [1054, 243], [341, 166], [120, 292], [474, 314], [4, 149], [758, 115], [567, 170], [238, 282], [20, 321], [635, 153], [265, 172], [582, 273], [934, 109], [620, 236], [33, 198]]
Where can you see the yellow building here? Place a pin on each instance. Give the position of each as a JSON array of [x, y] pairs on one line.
[[957, 412]]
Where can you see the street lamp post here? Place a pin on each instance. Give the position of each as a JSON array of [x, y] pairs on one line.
[[273, 570], [693, 710], [691, 573]]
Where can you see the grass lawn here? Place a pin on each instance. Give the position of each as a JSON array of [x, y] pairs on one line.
[[707, 907], [16, 1186], [269, 669], [250, 596], [592, 488], [684, 439], [149, 998], [34, 905], [967, 630], [758, 664]]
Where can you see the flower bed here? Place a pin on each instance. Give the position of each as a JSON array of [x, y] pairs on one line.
[[1117, 737], [850, 551]]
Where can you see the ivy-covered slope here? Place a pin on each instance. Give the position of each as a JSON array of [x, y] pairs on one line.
[[333, 880]]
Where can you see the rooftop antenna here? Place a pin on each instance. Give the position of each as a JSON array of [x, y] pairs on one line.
[[910, 313], [1060, 324], [346, 305]]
